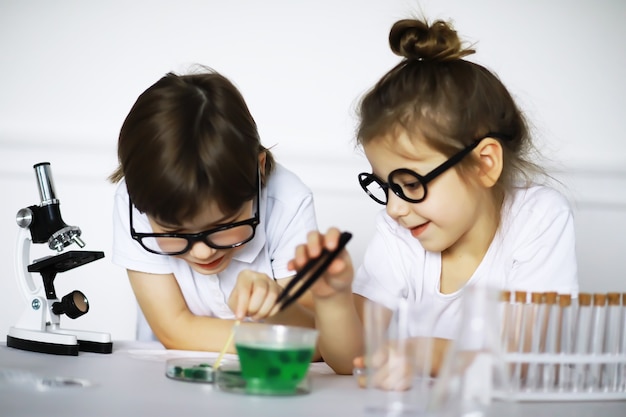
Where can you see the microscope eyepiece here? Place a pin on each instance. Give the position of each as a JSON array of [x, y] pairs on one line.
[[45, 183], [44, 220]]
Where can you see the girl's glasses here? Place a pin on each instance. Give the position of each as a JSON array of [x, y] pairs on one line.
[[226, 236], [409, 185]]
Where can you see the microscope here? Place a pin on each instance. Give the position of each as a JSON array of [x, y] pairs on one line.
[[39, 328]]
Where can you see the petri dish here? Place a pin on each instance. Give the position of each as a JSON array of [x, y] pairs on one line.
[[190, 370]]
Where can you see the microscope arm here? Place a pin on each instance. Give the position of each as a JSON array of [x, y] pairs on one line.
[[24, 278]]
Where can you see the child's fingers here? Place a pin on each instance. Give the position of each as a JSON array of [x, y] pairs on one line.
[[301, 257], [331, 239], [263, 300], [398, 375], [337, 266], [253, 295], [390, 369], [379, 358], [393, 376], [242, 298], [316, 242], [358, 362], [257, 297]]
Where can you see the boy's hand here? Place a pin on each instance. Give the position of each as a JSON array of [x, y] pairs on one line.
[[254, 296], [338, 276]]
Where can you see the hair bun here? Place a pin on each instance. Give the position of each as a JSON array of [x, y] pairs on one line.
[[417, 40]]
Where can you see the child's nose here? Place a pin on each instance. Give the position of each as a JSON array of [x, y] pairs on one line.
[[201, 250], [397, 207]]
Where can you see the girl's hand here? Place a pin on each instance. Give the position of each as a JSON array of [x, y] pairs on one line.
[[338, 277], [254, 296], [358, 365], [392, 368]]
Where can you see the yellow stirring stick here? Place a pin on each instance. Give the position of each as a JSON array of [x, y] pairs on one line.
[[217, 362]]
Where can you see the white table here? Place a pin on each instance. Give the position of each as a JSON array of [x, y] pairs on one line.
[[131, 382]]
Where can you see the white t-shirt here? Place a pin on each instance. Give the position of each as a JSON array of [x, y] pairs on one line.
[[287, 215], [533, 251]]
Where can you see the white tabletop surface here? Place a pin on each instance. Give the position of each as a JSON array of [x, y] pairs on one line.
[[131, 382]]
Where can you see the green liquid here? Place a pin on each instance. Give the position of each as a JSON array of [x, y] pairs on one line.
[[273, 370]]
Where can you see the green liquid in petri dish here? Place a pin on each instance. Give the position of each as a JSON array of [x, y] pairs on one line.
[[273, 370]]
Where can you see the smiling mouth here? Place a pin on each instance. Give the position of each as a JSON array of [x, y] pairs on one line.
[[211, 265], [418, 230]]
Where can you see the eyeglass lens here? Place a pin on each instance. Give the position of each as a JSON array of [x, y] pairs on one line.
[[407, 184], [404, 183], [221, 239]]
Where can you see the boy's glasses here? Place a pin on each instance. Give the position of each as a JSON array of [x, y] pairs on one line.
[[409, 185], [226, 236]]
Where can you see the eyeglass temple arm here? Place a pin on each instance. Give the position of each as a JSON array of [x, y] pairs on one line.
[[455, 159]]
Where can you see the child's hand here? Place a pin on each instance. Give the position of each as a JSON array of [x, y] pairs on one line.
[[394, 366], [391, 369], [254, 296], [338, 276], [360, 371]]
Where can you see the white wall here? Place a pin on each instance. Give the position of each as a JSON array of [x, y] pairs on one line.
[[70, 70]]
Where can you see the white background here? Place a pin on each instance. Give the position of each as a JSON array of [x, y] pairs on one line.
[[70, 71]]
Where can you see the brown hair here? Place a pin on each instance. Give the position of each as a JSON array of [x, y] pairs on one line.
[[187, 140], [447, 100]]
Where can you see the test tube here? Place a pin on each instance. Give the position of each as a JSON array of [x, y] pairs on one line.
[[565, 339], [551, 332], [596, 340], [621, 383], [536, 319], [518, 320], [507, 313], [612, 340], [520, 313], [581, 340], [622, 346]]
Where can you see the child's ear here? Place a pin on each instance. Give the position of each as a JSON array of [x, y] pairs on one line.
[[262, 158], [490, 161]]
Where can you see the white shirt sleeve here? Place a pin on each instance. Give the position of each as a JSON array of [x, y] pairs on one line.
[[543, 252], [385, 273], [291, 216]]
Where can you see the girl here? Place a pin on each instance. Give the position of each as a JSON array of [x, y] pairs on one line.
[[449, 151], [204, 220]]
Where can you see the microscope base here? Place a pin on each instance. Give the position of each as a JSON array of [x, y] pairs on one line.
[[34, 341], [59, 341], [95, 347]]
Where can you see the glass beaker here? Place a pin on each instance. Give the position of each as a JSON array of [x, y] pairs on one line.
[[474, 370], [397, 359]]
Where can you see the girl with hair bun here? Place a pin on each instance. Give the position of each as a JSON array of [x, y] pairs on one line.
[[464, 204]]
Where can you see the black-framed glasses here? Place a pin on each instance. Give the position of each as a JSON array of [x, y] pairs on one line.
[[408, 184], [226, 236]]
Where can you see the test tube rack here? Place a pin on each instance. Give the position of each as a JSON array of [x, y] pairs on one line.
[[563, 348]]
